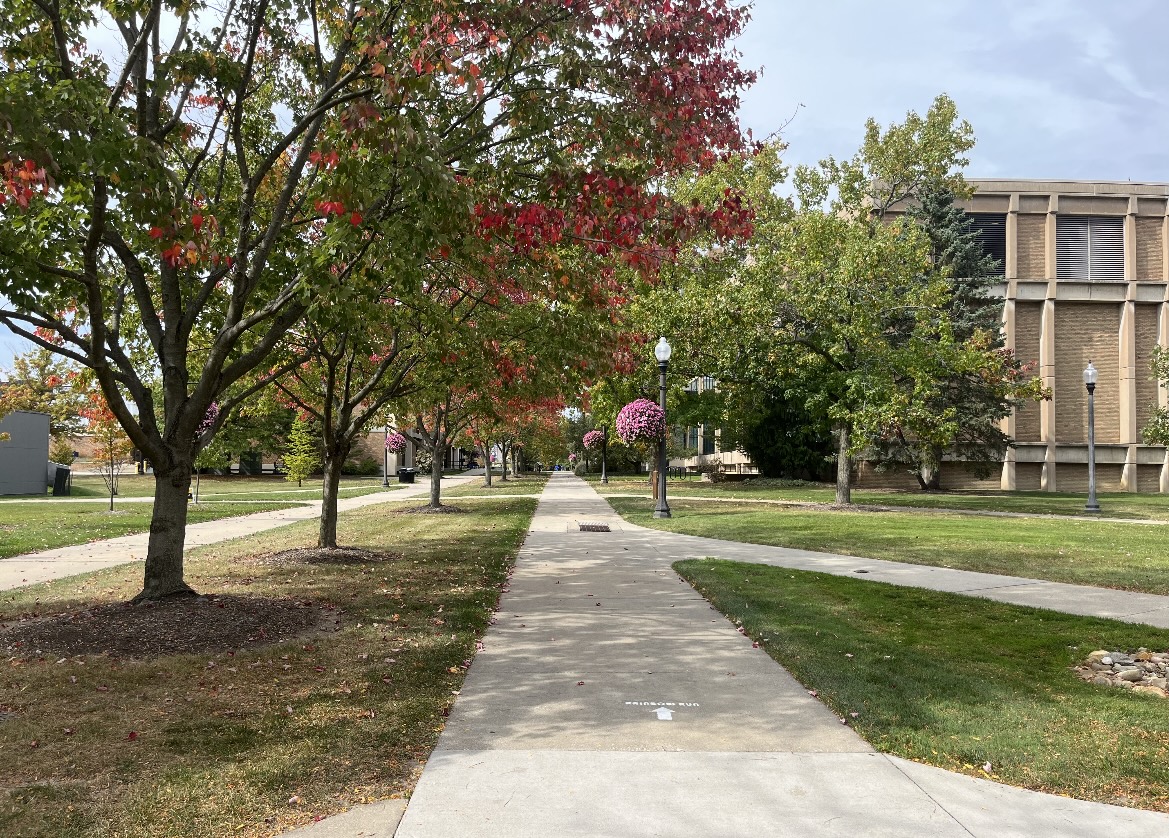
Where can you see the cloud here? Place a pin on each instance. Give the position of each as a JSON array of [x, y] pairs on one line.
[[1053, 88]]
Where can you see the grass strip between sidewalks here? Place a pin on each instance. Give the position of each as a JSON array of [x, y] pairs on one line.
[[1124, 556], [1152, 506], [962, 683], [527, 484], [32, 527], [252, 739]]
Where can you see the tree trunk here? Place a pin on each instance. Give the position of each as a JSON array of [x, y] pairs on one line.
[[436, 476], [843, 466], [504, 450], [168, 529], [487, 463], [332, 480], [931, 472]]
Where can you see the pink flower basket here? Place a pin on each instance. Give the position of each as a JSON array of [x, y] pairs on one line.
[[641, 421], [593, 439], [395, 443]]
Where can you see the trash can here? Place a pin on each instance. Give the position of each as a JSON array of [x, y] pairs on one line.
[[62, 479], [406, 475]]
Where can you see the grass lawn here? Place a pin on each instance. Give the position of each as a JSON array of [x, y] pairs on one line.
[[31, 527], [230, 487], [528, 484], [958, 682], [1115, 504], [1125, 556], [251, 740]]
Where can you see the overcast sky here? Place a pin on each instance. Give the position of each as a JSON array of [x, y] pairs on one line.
[[1054, 88]]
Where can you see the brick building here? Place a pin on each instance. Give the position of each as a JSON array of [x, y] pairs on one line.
[[1086, 276]]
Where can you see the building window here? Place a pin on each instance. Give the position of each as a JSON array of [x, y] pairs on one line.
[[707, 439], [991, 229], [692, 437], [1090, 247]]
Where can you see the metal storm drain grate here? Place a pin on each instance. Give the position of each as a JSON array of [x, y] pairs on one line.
[[593, 526]]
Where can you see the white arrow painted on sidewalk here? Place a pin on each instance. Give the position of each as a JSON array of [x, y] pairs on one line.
[[665, 714]]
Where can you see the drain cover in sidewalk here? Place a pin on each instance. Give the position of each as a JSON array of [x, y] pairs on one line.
[[593, 526]]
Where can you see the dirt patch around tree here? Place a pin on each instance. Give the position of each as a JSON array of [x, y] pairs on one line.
[[170, 627], [330, 555], [433, 510]]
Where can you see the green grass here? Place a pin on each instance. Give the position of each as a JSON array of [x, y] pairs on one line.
[[225, 740], [1115, 504], [31, 527], [1125, 556], [956, 681], [230, 487], [528, 484]]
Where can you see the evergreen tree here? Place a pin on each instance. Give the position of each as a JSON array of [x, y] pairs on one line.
[[303, 455], [976, 402]]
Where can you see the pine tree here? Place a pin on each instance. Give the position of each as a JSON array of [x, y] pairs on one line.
[[978, 403], [303, 455]]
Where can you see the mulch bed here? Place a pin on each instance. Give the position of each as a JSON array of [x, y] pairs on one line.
[[330, 555], [432, 510]]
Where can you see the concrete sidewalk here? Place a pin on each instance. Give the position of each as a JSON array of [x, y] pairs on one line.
[[62, 562], [611, 700]]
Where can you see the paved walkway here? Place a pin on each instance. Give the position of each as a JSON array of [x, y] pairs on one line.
[[611, 700], [61, 562]]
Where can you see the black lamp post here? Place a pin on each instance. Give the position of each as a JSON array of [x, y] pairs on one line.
[[662, 352], [604, 452], [1090, 383]]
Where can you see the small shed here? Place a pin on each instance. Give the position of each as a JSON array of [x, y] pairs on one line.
[[24, 456]]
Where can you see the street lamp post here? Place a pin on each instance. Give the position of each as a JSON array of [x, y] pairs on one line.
[[1090, 383], [604, 452], [662, 352]]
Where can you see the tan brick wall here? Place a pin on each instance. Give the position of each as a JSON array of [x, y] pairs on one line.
[[1149, 249], [1146, 339], [1148, 478], [1028, 318], [955, 476], [1027, 476], [1073, 477], [1032, 262], [868, 477], [1083, 332]]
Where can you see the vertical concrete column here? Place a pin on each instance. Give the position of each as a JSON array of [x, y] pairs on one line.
[[1047, 481], [1127, 385], [1163, 337], [1011, 268], [1007, 480]]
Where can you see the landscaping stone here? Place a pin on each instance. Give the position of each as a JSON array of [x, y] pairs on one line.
[[1143, 672]]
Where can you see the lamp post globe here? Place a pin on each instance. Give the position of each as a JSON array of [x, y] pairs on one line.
[[662, 352], [1090, 375]]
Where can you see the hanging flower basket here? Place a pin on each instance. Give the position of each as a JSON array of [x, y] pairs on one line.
[[641, 421], [572, 458], [395, 443], [593, 439]]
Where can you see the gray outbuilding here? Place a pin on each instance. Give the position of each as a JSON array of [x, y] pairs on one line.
[[24, 457]]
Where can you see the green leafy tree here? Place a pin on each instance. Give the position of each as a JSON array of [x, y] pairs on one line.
[[835, 300], [977, 401], [303, 455], [172, 207], [1156, 430], [43, 382]]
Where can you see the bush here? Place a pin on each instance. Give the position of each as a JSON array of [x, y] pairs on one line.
[[362, 465]]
